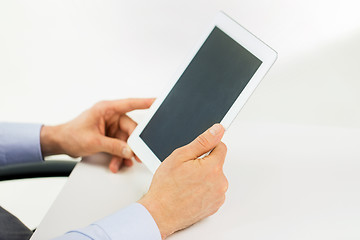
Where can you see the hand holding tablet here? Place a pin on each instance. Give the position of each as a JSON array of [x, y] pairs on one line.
[[211, 87], [184, 181]]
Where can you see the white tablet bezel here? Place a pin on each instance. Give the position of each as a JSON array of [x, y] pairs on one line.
[[245, 39]]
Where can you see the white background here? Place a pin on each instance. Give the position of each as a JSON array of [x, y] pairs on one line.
[[57, 58]]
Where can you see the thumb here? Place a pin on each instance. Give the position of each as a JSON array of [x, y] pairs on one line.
[[203, 143], [115, 147]]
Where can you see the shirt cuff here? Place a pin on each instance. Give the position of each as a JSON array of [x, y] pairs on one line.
[[131, 223], [20, 143]]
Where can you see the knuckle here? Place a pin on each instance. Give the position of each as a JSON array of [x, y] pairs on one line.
[[100, 105], [217, 169], [217, 204], [225, 186], [178, 155], [176, 152], [91, 142], [222, 186], [222, 200], [214, 210], [203, 141], [223, 145]]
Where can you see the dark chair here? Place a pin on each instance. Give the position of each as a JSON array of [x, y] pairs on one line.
[[51, 168]]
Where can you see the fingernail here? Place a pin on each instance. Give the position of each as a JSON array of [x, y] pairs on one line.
[[126, 151], [215, 129]]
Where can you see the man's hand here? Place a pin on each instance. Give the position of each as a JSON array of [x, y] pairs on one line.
[[186, 189], [103, 128]]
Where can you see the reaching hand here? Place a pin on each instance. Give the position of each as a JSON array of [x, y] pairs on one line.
[[103, 128], [186, 189]]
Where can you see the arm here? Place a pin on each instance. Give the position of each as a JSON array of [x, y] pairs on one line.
[[181, 182], [105, 127]]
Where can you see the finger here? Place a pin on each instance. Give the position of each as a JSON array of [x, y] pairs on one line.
[[115, 164], [128, 162], [138, 159], [115, 147], [203, 143], [126, 124], [218, 154], [122, 136], [112, 124], [127, 105]]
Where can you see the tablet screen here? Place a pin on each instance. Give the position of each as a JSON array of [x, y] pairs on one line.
[[203, 94]]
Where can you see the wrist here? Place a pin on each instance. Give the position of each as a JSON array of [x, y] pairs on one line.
[[159, 215], [50, 140]]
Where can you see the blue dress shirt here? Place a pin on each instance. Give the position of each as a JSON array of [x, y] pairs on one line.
[[20, 143]]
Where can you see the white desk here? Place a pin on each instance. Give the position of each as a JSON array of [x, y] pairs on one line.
[[293, 156], [286, 182]]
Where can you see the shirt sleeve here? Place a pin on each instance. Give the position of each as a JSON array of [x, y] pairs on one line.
[[131, 223], [20, 143]]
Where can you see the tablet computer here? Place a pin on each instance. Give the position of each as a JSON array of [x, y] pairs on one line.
[[210, 87]]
